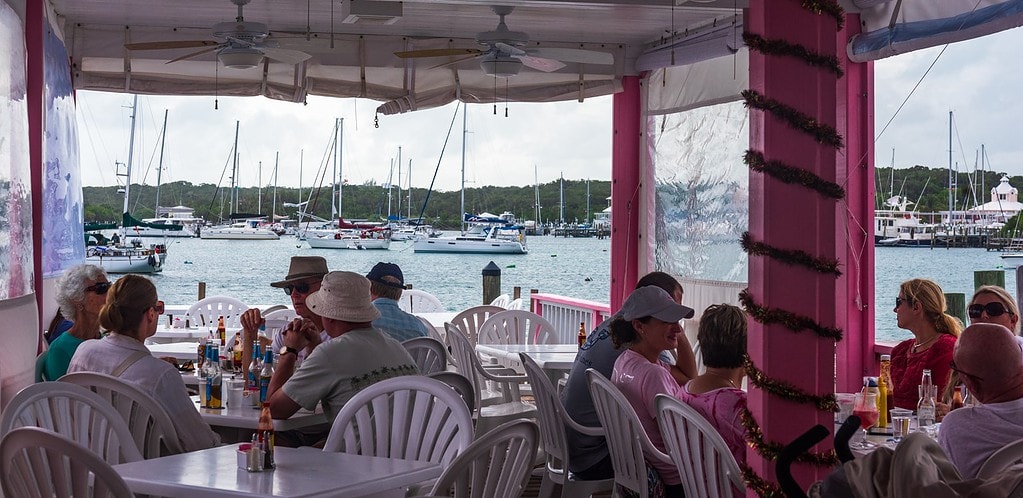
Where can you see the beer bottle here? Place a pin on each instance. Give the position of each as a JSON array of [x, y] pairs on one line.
[[265, 432], [221, 330], [252, 379], [202, 371], [236, 353], [214, 381], [265, 374], [581, 337], [957, 397]]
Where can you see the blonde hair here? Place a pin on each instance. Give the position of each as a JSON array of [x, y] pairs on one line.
[[1003, 296], [128, 300], [927, 293]]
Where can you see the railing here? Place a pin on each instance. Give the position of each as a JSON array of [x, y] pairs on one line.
[[566, 313]]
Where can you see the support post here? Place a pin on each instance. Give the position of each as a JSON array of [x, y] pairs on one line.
[[202, 290], [491, 282], [625, 185], [516, 293], [956, 303], [988, 277]]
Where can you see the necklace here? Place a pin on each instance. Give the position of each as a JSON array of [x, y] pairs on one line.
[[918, 345], [730, 382]]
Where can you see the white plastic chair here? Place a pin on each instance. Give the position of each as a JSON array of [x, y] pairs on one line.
[[75, 413], [626, 439], [553, 419], [508, 405], [152, 429], [431, 330], [461, 385], [469, 320], [410, 417], [40, 374], [703, 459], [517, 327], [1001, 460], [35, 462], [518, 304], [496, 465], [430, 356], [417, 301], [501, 301], [205, 312]]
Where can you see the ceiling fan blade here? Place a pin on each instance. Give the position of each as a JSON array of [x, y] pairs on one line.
[[285, 55], [573, 55], [541, 64], [165, 45], [438, 52], [456, 61], [194, 54]]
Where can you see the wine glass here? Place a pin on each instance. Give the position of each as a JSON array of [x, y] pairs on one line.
[[865, 407]]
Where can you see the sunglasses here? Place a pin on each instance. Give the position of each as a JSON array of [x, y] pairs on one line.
[[962, 373], [900, 300], [300, 288], [992, 309], [99, 287], [158, 307]]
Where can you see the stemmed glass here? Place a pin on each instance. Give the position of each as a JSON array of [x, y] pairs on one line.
[[865, 407]]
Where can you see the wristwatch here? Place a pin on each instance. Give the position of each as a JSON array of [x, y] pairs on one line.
[[286, 350]]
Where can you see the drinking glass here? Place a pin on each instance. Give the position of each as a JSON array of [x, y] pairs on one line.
[[865, 407]]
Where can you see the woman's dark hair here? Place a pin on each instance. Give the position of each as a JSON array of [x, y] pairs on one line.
[[128, 300], [722, 336], [662, 280], [622, 332]]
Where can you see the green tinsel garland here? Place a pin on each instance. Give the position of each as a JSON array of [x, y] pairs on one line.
[[792, 175], [787, 391], [786, 49], [771, 450], [787, 319], [789, 256], [762, 487], [821, 132], [829, 7]]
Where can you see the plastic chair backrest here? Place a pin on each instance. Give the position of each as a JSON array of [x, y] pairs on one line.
[[626, 439], [461, 385], [431, 330], [205, 312], [469, 320], [496, 465], [150, 425], [418, 301], [466, 361], [704, 461], [1001, 460], [276, 321], [410, 417], [40, 375], [518, 304], [36, 462], [551, 413], [517, 327], [501, 301], [429, 354], [75, 413]]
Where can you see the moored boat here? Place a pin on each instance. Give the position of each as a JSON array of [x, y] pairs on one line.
[[366, 238], [240, 230]]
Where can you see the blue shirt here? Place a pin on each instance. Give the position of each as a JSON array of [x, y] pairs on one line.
[[398, 324]]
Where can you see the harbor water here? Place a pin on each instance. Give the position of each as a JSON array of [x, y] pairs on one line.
[[574, 267]]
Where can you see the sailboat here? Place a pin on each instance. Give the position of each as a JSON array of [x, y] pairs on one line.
[[243, 226], [481, 234], [119, 257], [174, 221]]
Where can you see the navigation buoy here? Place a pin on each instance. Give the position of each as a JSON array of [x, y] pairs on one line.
[[587, 279], [187, 262]]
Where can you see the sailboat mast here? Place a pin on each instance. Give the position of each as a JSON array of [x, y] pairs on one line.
[[301, 160], [536, 197], [409, 203], [159, 168], [465, 133], [397, 210], [390, 185], [951, 196], [277, 163], [259, 189], [234, 172], [587, 201], [562, 208], [340, 173], [334, 196], [131, 153]]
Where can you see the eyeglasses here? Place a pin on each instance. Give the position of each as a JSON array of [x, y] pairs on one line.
[[900, 300], [300, 288], [99, 287], [992, 309], [962, 373], [158, 307]]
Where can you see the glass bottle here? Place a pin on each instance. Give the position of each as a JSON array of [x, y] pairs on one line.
[[886, 374], [252, 379], [925, 408], [221, 330], [957, 397], [236, 353], [265, 374], [214, 381], [581, 337], [265, 432], [202, 371]]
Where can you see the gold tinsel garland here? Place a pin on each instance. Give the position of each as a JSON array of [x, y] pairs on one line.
[[786, 49], [789, 256], [821, 132], [788, 319], [787, 391], [792, 175], [770, 449]]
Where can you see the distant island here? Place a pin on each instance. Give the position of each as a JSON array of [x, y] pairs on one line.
[[368, 201]]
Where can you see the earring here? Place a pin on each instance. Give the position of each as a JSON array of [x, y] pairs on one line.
[[81, 307]]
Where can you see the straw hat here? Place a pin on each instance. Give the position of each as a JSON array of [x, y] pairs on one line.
[[303, 267], [343, 296], [656, 302]]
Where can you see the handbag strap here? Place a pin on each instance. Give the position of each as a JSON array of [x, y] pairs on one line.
[[129, 361]]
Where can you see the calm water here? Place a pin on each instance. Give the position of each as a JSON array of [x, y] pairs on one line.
[[570, 267], [244, 269]]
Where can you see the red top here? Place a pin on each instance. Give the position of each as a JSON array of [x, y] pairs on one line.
[[908, 369]]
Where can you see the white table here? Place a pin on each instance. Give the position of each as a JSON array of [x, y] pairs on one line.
[[247, 417], [214, 472], [180, 351], [555, 359]]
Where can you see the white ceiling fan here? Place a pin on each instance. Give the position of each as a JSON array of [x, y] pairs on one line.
[[239, 44], [505, 52]]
